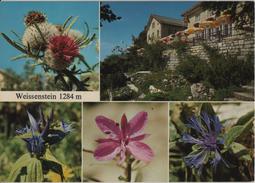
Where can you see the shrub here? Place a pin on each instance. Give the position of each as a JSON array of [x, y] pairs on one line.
[[193, 68], [223, 93], [220, 71], [225, 71]]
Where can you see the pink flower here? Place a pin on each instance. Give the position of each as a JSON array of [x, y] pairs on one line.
[[63, 48], [124, 139], [61, 52]]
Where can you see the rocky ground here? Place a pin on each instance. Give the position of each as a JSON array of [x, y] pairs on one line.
[[165, 85]]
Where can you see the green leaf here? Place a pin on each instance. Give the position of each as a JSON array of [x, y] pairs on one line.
[[245, 118], [82, 59], [34, 171], [40, 32], [71, 24], [86, 42], [240, 151], [39, 171], [19, 57], [66, 22], [31, 170], [94, 66], [19, 38], [23, 161], [11, 42], [49, 156], [237, 131]]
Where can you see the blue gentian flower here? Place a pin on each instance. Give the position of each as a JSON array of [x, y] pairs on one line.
[[207, 129], [40, 134]]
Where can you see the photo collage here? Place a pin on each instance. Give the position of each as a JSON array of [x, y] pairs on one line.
[[127, 91]]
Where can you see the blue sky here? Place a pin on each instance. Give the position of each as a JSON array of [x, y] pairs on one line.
[[12, 14], [135, 16]]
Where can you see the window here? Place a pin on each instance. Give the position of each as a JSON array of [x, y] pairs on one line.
[[153, 25], [209, 13], [225, 29], [158, 33], [152, 36], [197, 18]]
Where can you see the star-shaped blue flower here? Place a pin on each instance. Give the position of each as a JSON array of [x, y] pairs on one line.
[[207, 129], [40, 134]]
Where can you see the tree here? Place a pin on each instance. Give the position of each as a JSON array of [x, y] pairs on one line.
[[106, 14], [141, 40]]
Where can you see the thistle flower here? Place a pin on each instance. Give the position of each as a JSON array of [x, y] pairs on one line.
[[61, 52], [33, 39], [124, 139], [34, 17], [39, 134], [208, 140]]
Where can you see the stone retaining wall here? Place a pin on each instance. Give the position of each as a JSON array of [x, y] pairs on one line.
[[241, 44]]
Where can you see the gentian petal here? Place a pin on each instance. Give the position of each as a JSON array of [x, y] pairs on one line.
[[67, 128], [196, 159], [194, 124], [137, 123], [216, 159], [107, 151], [108, 126], [206, 119], [217, 124], [140, 151], [33, 123], [186, 138]]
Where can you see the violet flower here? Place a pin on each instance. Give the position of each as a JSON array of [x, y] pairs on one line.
[[207, 129], [124, 140], [39, 134]]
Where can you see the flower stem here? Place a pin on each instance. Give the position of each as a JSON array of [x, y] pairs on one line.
[[128, 170]]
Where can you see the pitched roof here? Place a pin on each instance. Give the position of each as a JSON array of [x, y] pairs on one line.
[[192, 8], [166, 20]]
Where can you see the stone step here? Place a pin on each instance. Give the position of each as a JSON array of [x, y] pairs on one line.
[[243, 96], [248, 88], [231, 99]]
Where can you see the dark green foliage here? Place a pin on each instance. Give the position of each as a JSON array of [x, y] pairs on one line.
[[141, 40], [224, 71], [193, 68], [180, 47], [114, 66], [106, 14], [152, 58], [221, 71], [223, 93], [112, 73]]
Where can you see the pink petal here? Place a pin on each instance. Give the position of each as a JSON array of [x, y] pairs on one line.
[[139, 137], [108, 126], [106, 140], [137, 123], [107, 151], [140, 151], [124, 126]]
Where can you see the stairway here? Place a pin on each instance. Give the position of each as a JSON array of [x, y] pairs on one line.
[[246, 93]]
